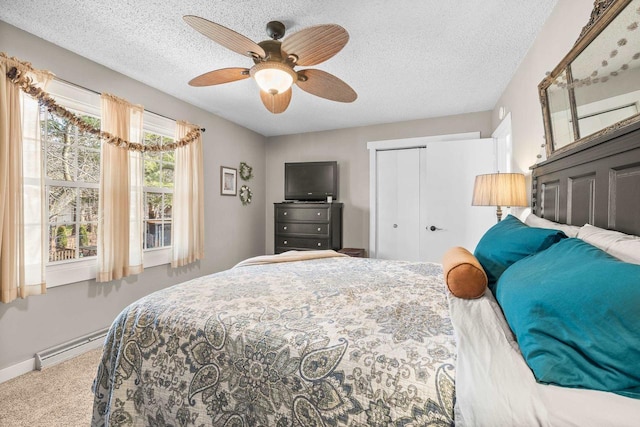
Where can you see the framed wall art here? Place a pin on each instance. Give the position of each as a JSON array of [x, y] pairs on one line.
[[228, 181]]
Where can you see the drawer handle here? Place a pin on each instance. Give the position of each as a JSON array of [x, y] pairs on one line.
[[284, 228], [319, 244], [285, 242], [319, 229], [318, 214], [284, 213]]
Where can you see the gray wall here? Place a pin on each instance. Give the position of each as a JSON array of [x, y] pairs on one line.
[[349, 148], [233, 232], [521, 95]]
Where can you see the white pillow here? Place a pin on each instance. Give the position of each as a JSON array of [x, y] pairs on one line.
[[522, 216], [622, 246], [535, 221]]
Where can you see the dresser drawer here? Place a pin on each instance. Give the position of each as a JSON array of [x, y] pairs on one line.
[[302, 214], [302, 228], [289, 243], [307, 226]]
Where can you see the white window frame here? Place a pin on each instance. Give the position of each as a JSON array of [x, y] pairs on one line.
[[79, 99]]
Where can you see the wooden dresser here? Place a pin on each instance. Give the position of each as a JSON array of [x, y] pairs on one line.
[[307, 226]]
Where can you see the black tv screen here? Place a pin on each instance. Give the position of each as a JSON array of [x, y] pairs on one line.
[[310, 181]]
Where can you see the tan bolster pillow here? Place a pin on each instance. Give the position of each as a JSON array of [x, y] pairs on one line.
[[463, 273]]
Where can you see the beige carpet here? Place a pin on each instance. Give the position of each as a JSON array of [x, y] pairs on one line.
[[56, 396]]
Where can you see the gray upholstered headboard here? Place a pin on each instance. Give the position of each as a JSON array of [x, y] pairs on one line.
[[597, 183]]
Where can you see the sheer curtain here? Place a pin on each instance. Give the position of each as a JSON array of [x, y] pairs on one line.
[[22, 221], [120, 202], [188, 201]]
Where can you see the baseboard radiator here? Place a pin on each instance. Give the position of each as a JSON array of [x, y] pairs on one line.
[[62, 352]]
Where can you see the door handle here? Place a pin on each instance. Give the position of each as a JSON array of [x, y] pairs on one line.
[[433, 228], [395, 225]]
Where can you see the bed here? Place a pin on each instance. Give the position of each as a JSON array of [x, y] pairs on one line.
[[328, 340], [321, 339]]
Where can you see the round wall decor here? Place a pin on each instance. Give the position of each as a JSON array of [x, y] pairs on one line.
[[245, 171], [245, 195]]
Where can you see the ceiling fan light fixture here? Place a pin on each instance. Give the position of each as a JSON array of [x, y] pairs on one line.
[[275, 61], [273, 77]]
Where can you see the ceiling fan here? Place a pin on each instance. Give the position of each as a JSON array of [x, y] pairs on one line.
[[274, 61]]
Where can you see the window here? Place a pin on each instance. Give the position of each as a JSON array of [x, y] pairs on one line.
[[72, 173], [158, 192]]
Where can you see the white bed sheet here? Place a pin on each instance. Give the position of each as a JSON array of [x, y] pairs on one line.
[[495, 387]]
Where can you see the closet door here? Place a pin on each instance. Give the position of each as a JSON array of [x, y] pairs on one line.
[[398, 204], [449, 219], [423, 199]]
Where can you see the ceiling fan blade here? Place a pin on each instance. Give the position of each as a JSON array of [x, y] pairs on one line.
[[276, 103], [316, 44], [225, 36], [216, 77], [325, 85]]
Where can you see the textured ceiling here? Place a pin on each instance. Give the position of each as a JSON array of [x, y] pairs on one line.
[[406, 59]]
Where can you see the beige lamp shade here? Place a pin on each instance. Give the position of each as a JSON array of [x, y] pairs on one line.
[[500, 189]]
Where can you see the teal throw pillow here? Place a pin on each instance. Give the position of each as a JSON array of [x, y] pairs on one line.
[[575, 311], [508, 241]]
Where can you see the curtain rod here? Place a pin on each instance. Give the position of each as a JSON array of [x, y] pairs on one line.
[[98, 93]]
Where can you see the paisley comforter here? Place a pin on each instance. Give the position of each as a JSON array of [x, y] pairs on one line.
[[323, 342]]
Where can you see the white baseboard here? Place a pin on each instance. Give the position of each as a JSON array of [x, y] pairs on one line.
[[18, 369]]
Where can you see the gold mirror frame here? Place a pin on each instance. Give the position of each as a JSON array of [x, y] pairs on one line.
[[604, 12]]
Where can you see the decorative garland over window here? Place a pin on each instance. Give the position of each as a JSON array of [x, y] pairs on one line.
[[25, 83]]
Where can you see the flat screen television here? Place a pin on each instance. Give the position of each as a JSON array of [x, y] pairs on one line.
[[310, 181]]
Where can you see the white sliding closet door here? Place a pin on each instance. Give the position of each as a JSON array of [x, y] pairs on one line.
[[423, 199], [399, 204]]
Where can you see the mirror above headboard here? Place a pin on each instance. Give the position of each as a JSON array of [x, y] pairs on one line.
[[595, 89]]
